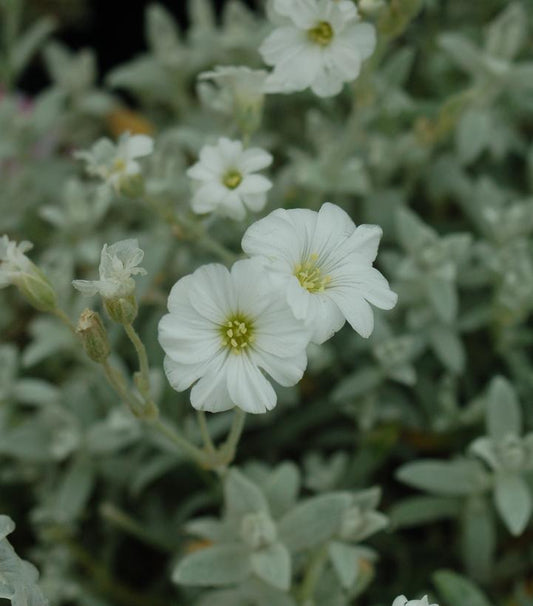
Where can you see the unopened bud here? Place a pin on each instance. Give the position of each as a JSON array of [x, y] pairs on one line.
[[37, 289], [122, 310], [93, 335], [132, 186]]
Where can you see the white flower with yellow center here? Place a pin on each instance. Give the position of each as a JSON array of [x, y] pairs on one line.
[[116, 163], [224, 330], [225, 181], [323, 262], [401, 600], [321, 44]]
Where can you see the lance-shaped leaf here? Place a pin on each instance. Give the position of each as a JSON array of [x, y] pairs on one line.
[[513, 501], [273, 565], [453, 478], [218, 565]]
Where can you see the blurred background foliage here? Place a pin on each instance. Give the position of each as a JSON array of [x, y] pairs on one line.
[[432, 142]]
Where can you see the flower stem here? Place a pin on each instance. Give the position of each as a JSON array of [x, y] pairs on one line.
[[230, 445], [128, 524], [312, 575], [142, 379], [178, 440], [59, 313], [204, 431]]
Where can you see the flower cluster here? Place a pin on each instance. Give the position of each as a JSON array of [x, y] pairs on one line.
[[308, 272]]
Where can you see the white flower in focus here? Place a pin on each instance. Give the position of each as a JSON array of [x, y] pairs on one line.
[[324, 264], [116, 163], [223, 329], [320, 44], [13, 261], [225, 179], [118, 263], [401, 600]]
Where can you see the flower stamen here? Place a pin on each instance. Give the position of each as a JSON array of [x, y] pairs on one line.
[[310, 275], [237, 334], [232, 179], [321, 34]]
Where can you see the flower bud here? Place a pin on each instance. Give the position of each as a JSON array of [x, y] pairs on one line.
[[122, 310], [93, 335], [132, 186], [34, 285]]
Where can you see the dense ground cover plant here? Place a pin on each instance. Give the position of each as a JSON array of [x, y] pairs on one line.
[[266, 328]]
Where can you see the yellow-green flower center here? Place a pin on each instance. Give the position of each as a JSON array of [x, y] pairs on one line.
[[321, 34], [237, 333], [232, 179], [310, 275], [119, 165]]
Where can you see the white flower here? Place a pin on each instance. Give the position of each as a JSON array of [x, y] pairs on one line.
[[321, 44], [222, 330], [401, 600], [17, 269], [226, 181], [13, 261], [324, 264], [242, 86], [118, 263], [116, 163]]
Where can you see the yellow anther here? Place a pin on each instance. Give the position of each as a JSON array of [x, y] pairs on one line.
[[237, 333], [321, 34], [232, 179], [310, 275]]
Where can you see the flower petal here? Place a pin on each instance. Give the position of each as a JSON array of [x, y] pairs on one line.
[[210, 392], [285, 371], [208, 197], [254, 184], [211, 292], [247, 387], [139, 146], [355, 309], [254, 159]]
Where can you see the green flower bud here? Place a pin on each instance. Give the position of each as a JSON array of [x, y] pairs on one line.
[[93, 335], [122, 310], [36, 288], [132, 186]]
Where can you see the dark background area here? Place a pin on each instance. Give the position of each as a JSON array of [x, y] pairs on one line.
[[113, 28]]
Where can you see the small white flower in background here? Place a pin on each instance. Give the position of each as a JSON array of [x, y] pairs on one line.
[[13, 260], [222, 329], [225, 179], [241, 92], [401, 600], [18, 270], [324, 264], [321, 44], [118, 263], [116, 163]]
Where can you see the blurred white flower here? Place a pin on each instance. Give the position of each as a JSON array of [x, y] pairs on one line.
[[13, 260], [116, 163], [18, 270], [225, 179], [401, 600], [118, 263], [321, 44], [240, 91], [324, 264], [222, 330]]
